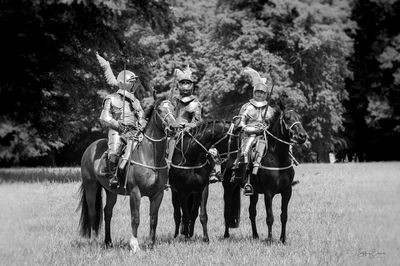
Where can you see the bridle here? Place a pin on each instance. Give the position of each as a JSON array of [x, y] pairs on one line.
[[164, 129], [165, 126]]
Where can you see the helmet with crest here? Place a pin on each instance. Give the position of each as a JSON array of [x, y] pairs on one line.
[[185, 81], [259, 83], [185, 75]]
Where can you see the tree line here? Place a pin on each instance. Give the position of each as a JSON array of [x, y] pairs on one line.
[[337, 60]]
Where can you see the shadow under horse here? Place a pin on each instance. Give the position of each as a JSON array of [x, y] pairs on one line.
[[191, 166], [275, 174], [146, 175]]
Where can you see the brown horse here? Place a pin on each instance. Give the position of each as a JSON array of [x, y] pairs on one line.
[[146, 175]]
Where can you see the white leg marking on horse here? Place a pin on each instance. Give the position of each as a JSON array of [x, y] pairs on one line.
[[134, 244]]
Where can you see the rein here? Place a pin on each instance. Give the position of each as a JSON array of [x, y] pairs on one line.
[[282, 141], [205, 149], [201, 145], [154, 140]]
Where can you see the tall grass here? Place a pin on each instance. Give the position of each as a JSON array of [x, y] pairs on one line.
[[40, 174], [343, 214]]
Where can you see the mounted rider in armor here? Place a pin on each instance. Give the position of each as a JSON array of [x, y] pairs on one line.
[[188, 109], [254, 116], [124, 117]]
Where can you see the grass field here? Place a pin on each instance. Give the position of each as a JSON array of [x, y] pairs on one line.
[[341, 214]]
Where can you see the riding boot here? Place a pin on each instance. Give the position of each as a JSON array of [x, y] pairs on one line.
[[215, 176], [248, 188], [114, 181]]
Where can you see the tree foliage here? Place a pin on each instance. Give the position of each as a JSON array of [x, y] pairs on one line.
[[51, 80], [302, 45], [373, 117]]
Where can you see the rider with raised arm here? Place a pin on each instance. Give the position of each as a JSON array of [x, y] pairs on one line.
[[254, 118], [124, 117]]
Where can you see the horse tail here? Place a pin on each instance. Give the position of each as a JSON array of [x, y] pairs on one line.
[[91, 217], [295, 183]]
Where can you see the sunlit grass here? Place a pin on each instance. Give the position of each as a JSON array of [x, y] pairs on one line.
[[342, 214]]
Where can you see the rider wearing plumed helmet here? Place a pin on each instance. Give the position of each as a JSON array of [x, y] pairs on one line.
[[254, 116]]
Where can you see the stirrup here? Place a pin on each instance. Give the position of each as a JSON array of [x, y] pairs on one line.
[[248, 189], [213, 179], [114, 182]]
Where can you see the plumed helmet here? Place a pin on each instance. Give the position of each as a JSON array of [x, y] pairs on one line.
[[126, 76], [186, 74], [259, 83]]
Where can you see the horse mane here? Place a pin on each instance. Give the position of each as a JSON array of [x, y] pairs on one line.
[[149, 110], [205, 124]]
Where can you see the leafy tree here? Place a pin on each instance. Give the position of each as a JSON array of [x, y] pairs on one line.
[[303, 45], [51, 85], [373, 118]]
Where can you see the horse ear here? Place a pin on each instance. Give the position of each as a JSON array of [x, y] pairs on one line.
[[154, 95], [283, 100]]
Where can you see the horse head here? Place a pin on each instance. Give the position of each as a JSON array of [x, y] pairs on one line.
[[290, 121], [162, 116]]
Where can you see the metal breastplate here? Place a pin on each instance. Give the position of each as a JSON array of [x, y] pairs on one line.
[[184, 112], [129, 114]]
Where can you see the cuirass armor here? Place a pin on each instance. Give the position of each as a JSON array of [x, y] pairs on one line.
[[112, 110], [112, 115], [255, 114], [188, 110]]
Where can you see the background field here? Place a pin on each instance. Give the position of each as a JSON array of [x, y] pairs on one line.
[[342, 214]]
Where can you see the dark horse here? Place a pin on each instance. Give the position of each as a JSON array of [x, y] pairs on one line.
[[189, 175], [276, 173], [146, 176]]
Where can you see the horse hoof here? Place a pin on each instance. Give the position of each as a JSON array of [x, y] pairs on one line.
[[134, 244], [283, 240], [226, 235], [206, 239], [269, 241], [109, 244], [255, 236]]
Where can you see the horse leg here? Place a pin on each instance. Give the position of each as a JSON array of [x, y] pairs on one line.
[[177, 212], [194, 212], [135, 218], [270, 215], [227, 208], [155, 203], [203, 214], [286, 195], [108, 212], [253, 214], [183, 200]]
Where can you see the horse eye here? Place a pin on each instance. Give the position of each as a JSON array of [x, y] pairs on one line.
[[286, 116]]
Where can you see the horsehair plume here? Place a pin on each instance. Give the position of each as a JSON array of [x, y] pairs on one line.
[[255, 77], [109, 75]]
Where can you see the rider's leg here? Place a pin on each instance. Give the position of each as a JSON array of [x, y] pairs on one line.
[[130, 147], [170, 150], [248, 188], [215, 174], [114, 152]]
